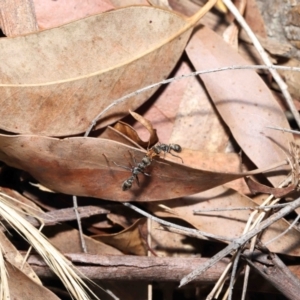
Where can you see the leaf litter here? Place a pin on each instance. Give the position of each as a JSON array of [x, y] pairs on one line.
[[78, 166], [70, 85], [86, 166]]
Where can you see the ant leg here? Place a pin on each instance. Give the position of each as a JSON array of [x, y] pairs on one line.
[[133, 158], [124, 167], [137, 180], [147, 174], [176, 156]]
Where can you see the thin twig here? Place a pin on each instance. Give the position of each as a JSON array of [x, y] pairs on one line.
[[284, 129], [282, 85], [195, 232], [82, 240], [238, 242], [191, 22], [4, 287], [62, 215], [151, 86], [277, 273], [233, 273], [149, 242], [247, 270], [238, 272], [283, 233], [220, 283], [246, 229], [133, 268], [201, 211]]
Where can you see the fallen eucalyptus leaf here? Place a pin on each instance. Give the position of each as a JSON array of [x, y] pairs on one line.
[[229, 223], [243, 100], [56, 81], [129, 240], [87, 167], [256, 187]]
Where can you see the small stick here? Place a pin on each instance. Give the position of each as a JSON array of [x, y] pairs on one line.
[[277, 273], [149, 252], [238, 242], [75, 206], [263, 54], [284, 232], [233, 273], [198, 233], [284, 129], [247, 269], [200, 211], [151, 86], [220, 283]]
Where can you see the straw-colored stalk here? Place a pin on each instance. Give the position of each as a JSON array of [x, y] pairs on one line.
[[4, 288], [62, 267]]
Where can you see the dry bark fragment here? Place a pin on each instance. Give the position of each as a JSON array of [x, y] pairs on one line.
[[271, 267]]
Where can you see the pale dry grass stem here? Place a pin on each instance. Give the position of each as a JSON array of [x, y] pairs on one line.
[[4, 288], [62, 267]]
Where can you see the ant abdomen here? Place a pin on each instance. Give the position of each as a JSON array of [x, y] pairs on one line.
[[127, 184], [177, 148]]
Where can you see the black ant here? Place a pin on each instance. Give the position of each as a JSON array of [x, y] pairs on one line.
[[167, 149], [139, 168], [146, 162]]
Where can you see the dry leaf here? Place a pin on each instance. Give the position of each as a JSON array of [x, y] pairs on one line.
[[165, 243], [218, 162], [287, 244], [244, 101], [123, 216], [126, 130], [292, 78], [197, 125], [254, 18], [13, 256], [153, 139], [22, 287], [55, 13], [59, 234], [184, 114], [163, 110], [229, 224], [120, 134], [160, 3], [53, 85], [256, 187], [131, 133], [128, 241], [87, 167], [123, 3]]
